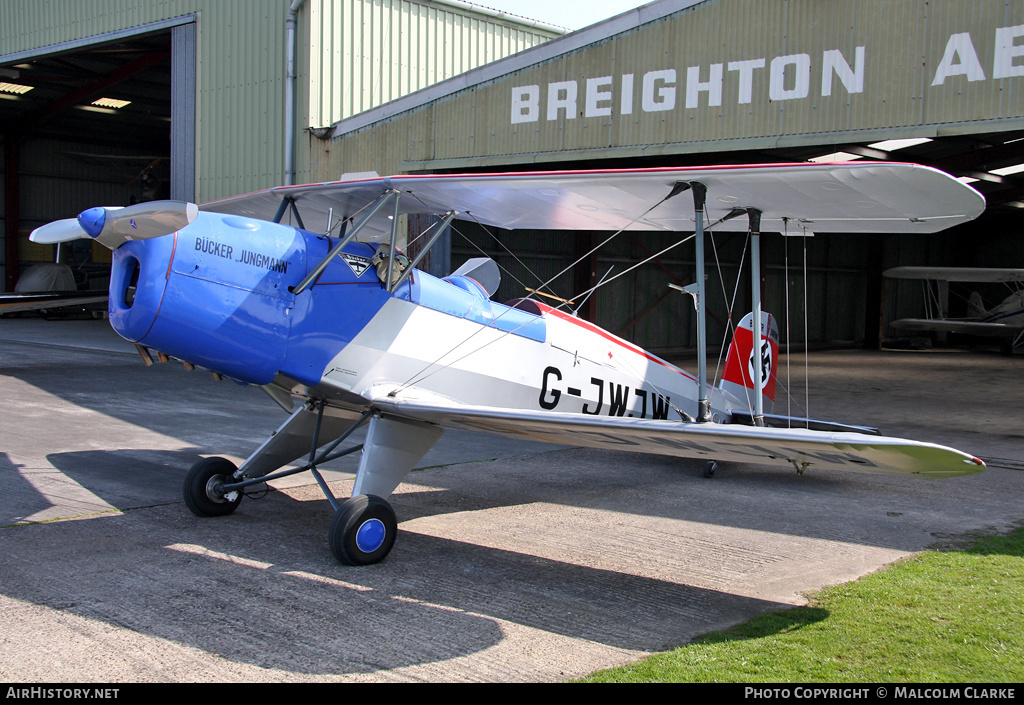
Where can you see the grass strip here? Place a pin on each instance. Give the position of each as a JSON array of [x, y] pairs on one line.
[[942, 616]]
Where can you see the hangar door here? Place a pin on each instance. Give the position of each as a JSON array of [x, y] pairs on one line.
[[109, 120]]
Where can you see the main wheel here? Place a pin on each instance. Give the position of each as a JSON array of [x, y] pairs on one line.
[[202, 491], [363, 530]]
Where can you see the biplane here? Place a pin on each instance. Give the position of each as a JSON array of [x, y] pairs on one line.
[[341, 329], [1003, 321]]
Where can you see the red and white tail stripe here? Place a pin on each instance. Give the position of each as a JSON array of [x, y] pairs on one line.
[[738, 378]]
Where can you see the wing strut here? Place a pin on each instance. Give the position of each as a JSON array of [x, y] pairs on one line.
[[394, 247], [318, 270], [286, 203], [703, 404], [448, 217], [754, 217]]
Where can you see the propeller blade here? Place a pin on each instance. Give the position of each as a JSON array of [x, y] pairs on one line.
[[58, 231], [113, 227]]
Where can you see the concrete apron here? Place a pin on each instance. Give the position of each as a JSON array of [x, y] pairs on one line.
[[515, 562]]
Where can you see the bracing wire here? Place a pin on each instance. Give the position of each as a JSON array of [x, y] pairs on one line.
[[731, 323], [423, 374], [605, 282], [807, 372], [789, 339], [505, 270], [509, 252]]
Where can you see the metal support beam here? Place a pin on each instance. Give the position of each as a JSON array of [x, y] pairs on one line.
[[12, 192], [754, 217], [441, 227], [281, 208], [703, 404], [393, 252], [295, 212]]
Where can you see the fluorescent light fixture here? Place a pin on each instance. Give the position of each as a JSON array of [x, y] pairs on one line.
[[15, 88], [835, 157], [111, 103], [893, 145], [966, 179], [95, 109], [1007, 170]]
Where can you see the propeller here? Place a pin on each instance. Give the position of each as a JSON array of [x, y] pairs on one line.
[[58, 231], [113, 226]]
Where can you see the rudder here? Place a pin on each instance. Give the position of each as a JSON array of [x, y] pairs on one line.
[[738, 378]]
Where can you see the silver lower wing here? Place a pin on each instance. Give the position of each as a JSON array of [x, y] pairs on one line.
[[789, 446]]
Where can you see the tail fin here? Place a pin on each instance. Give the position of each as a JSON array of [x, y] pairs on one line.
[[738, 378], [975, 306]]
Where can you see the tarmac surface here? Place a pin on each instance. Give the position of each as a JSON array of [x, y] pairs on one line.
[[515, 561]]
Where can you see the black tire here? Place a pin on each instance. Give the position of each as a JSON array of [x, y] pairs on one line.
[[201, 491], [363, 530], [710, 467]]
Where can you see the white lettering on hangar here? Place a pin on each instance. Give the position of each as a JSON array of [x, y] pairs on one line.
[[788, 77]]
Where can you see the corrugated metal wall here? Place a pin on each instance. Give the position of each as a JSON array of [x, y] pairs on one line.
[[61, 179], [722, 75], [3, 220], [363, 54]]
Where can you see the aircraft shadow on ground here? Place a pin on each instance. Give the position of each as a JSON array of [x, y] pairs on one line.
[[21, 498], [889, 512], [128, 478], [262, 589]]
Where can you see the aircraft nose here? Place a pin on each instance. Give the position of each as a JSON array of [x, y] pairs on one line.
[[92, 220], [138, 277]]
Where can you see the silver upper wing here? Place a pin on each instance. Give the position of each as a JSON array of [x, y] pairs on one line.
[[847, 198]]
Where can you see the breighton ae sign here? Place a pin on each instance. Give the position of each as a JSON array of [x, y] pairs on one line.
[[788, 77]]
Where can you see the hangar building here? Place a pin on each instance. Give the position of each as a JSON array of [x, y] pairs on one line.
[[115, 101], [674, 82]]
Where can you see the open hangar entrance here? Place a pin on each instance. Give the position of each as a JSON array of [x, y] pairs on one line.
[[849, 303], [103, 121]]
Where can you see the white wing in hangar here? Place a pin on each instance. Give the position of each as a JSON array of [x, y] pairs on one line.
[[939, 325], [957, 274]]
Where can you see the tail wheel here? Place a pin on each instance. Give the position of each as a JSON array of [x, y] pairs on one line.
[[202, 491], [363, 530]]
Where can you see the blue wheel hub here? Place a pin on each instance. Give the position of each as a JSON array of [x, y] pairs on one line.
[[370, 535]]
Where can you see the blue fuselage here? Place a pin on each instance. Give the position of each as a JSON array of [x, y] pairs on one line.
[[217, 294]]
